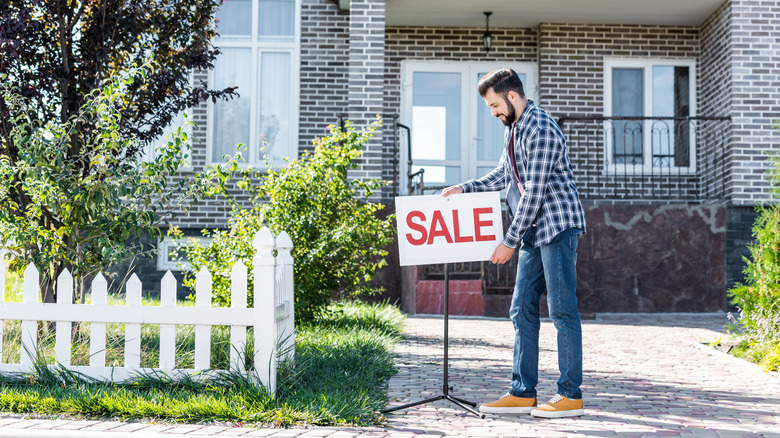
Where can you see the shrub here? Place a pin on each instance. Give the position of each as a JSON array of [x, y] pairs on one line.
[[339, 240], [758, 299]]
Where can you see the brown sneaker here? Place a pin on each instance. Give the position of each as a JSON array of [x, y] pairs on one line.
[[558, 407], [509, 404]]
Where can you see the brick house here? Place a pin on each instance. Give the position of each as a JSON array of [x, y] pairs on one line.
[[668, 109]]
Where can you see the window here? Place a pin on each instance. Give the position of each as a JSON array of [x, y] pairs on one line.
[[453, 134], [649, 103], [259, 45], [171, 258]]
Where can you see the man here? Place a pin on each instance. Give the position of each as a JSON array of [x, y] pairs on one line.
[[547, 220]]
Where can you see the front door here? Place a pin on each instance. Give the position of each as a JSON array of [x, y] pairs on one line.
[[453, 135]]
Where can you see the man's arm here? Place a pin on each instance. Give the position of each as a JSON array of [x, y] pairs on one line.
[[492, 182]]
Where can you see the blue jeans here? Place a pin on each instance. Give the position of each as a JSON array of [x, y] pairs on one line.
[[551, 267]]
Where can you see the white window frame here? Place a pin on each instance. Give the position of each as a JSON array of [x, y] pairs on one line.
[[647, 153], [251, 152], [164, 248], [468, 162]]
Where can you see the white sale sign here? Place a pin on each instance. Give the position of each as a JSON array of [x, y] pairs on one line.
[[457, 228]]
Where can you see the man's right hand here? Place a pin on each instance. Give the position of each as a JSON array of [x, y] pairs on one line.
[[452, 190]]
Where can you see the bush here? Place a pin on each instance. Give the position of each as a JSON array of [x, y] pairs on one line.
[[765, 354], [758, 299], [339, 241]]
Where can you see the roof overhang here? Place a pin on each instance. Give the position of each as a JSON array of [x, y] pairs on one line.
[[529, 14]]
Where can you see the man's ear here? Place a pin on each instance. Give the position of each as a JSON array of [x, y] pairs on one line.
[[512, 95]]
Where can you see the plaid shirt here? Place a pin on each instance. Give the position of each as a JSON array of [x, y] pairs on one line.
[[550, 199]]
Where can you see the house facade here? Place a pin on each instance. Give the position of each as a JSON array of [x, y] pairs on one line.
[[668, 108]]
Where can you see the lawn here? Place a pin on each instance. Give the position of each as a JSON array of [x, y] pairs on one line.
[[342, 362]]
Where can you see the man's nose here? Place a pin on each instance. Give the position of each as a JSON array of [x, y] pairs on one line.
[[494, 112]]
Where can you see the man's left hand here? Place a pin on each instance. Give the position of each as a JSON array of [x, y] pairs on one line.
[[502, 254]]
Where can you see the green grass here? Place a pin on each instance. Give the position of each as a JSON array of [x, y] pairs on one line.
[[342, 362], [115, 338], [13, 287], [765, 354]]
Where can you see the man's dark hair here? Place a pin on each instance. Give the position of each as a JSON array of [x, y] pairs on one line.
[[501, 81]]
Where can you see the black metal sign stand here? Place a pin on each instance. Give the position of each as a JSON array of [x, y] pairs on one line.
[[463, 404]]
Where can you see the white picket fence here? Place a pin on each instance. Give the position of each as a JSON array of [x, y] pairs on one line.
[[271, 317]]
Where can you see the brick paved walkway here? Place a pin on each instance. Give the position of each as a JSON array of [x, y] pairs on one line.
[[645, 375]]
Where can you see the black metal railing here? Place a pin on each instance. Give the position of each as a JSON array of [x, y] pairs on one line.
[[648, 158], [415, 181], [619, 158], [634, 158], [395, 126]]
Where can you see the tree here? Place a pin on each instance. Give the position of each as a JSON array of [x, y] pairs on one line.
[[77, 212], [58, 52], [61, 98]]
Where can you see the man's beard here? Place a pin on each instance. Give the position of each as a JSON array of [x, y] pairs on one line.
[[510, 116]]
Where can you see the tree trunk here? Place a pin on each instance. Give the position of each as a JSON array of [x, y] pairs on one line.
[[48, 295], [48, 292]]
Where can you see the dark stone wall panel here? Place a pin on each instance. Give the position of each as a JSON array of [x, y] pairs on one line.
[[653, 258]]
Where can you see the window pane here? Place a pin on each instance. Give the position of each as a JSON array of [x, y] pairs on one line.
[[490, 130], [439, 175], [275, 104], [627, 101], [682, 108], [663, 106], [277, 19], [671, 98], [234, 19], [436, 116], [231, 117], [430, 132]]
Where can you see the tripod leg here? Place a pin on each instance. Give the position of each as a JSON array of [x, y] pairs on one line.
[[446, 387], [410, 405], [452, 399], [470, 403]]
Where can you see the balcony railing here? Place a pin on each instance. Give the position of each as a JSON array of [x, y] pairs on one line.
[[648, 158], [636, 158], [622, 158]]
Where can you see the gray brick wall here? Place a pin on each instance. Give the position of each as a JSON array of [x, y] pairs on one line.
[[366, 79], [756, 96], [571, 83], [442, 44], [200, 118], [324, 68], [347, 57], [571, 59], [715, 89]]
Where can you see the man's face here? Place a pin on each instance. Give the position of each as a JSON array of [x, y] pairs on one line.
[[501, 107]]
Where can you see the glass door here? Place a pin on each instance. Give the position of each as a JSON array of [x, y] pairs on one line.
[[453, 135]]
